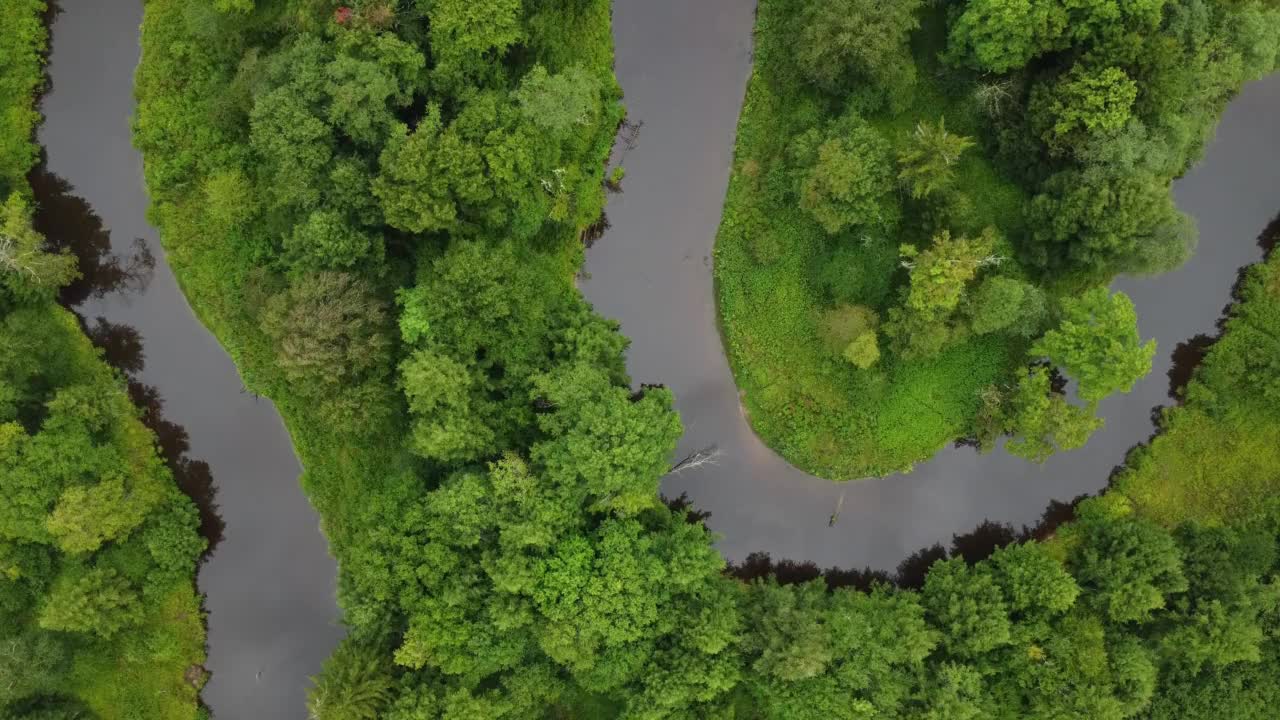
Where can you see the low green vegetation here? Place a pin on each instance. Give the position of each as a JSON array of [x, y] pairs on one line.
[[99, 617], [963, 178], [378, 206]]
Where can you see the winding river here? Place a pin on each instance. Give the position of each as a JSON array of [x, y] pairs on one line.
[[270, 583], [683, 68]]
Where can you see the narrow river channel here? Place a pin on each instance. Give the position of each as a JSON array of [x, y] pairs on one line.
[[270, 584], [683, 68]]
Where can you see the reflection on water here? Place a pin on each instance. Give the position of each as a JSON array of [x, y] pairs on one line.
[[1270, 237], [1189, 353], [1187, 356], [69, 223], [683, 67]]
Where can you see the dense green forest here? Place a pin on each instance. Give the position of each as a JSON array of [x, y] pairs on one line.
[[99, 617], [929, 199], [378, 209]]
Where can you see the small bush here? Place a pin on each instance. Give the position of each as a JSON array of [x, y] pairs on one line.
[[864, 351], [843, 325]]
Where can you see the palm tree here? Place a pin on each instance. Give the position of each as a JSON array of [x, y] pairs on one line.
[[928, 162], [354, 685]]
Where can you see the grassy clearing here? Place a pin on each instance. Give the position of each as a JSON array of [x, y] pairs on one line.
[[777, 272]]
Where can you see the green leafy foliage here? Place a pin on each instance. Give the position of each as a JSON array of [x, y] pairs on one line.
[[1098, 345], [1092, 219], [329, 328], [968, 607], [863, 351], [355, 684], [559, 102], [1009, 305], [841, 42], [1082, 105], [1041, 421], [95, 601], [22, 45], [939, 277], [1002, 35], [467, 37], [1127, 567], [28, 273], [503, 549], [844, 178]]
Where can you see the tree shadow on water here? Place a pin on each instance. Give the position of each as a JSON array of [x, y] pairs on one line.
[[1187, 356], [121, 347], [69, 223]]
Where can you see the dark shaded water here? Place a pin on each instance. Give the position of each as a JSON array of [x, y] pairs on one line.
[[270, 584], [684, 67]]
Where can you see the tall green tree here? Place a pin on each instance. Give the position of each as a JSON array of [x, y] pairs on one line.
[[1082, 106], [97, 601], [1098, 344], [939, 276], [1041, 421], [1097, 222], [1009, 305], [467, 38], [842, 41], [355, 684], [1003, 35], [559, 102], [328, 328], [28, 274], [967, 608], [1127, 566]]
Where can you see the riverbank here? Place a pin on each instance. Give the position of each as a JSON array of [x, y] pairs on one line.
[[100, 612], [1215, 457], [269, 587]]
